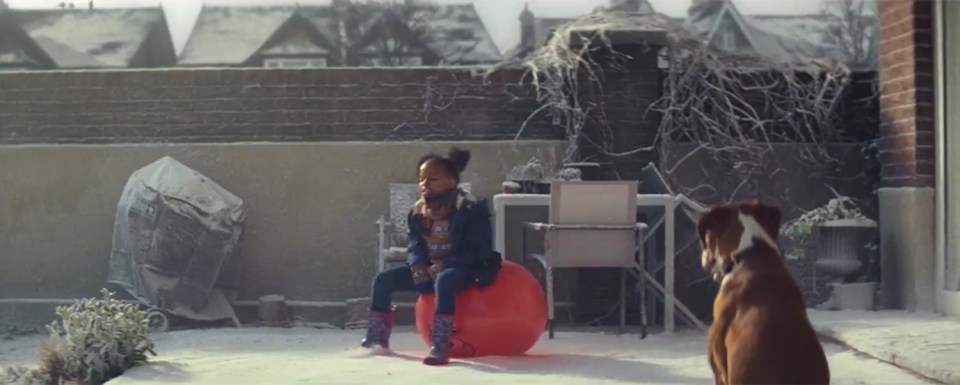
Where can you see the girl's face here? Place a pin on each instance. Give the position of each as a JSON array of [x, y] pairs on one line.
[[434, 179]]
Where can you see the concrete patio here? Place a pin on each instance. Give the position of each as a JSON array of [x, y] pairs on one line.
[[312, 356], [924, 343]]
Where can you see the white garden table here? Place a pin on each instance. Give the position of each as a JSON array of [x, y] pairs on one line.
[[667, 202]]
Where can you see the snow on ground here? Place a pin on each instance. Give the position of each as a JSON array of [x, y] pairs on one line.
[[20, 350], [311, 356], [926, 343]]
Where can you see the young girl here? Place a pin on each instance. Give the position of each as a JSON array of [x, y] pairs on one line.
[[450, 249]]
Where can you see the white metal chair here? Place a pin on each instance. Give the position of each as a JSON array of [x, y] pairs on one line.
[[591, 224], [392, 233]]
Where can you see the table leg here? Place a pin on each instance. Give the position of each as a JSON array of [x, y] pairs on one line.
[[669, 273], [499, 234], [623, 300], [523, 245], [642, 281], [550, 309]]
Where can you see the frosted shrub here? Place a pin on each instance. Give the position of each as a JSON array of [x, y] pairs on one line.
[[530, 172], [96, 340], [568, 173]]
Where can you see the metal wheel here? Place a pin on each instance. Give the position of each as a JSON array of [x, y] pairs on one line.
[[157, 321]]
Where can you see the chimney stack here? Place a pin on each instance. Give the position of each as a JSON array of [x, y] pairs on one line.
[[527, 30]]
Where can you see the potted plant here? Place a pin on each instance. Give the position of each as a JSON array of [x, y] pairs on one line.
[[844, 242], [588, 170], [530, 177]]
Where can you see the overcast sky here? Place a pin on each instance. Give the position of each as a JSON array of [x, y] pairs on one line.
[[500, 16]]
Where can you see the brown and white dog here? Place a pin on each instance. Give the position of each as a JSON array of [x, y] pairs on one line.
[[760, 332]]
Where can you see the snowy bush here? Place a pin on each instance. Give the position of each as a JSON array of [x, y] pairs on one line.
[[799, 230], [530, 172], [568, 173], [95, 341]]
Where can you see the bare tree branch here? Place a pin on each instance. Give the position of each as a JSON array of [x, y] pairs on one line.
[[853, 31]]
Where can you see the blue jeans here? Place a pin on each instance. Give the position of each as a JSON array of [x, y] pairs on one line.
[[449, 282]]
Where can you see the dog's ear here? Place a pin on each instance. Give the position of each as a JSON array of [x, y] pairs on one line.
[[714, 217], [766, 215]]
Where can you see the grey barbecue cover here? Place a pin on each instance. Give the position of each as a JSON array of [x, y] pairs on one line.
[[176, 239]]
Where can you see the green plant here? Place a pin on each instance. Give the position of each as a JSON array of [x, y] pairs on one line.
[[96, 340], [798, 231]]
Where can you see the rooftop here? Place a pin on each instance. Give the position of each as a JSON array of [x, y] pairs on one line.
[[231, 35], [90, 37]]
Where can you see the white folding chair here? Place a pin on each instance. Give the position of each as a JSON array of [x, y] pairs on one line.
[[591, 224]]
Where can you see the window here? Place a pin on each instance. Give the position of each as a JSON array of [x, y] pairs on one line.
[[314, 62], [728, 35], [729, 39], [408, 60]]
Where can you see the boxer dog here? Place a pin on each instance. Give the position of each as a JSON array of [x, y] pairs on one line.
[[760, 332]]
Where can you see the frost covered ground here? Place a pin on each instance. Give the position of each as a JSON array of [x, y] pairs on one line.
[[926, 343], [311, 356]]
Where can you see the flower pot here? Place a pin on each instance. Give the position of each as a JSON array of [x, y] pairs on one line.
[[510, 187], [541, 187], [588, 171]]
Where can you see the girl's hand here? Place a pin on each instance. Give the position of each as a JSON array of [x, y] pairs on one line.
[[421, 274], [435, 269]]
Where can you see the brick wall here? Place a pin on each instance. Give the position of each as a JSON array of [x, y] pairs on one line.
[[228, 105], [906, 93]]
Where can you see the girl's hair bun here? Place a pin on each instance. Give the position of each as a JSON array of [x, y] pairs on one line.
[[459, 158]]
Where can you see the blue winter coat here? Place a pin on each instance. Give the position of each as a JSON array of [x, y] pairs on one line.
[[471, 241]]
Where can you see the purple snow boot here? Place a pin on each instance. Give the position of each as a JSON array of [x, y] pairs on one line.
[[379, 325], [440, 352]]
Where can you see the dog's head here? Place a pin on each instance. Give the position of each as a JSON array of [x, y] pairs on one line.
[[727, 229]]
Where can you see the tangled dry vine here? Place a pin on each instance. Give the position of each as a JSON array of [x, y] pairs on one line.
[[733, 108]]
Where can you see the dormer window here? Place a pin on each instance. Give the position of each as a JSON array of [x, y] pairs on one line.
[[728, 35], [298, 49], [408, 60], [295, 62], [728, 39]]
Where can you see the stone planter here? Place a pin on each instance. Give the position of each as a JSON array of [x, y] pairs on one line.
[[841, 247], [854, 296], [843, 259]]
